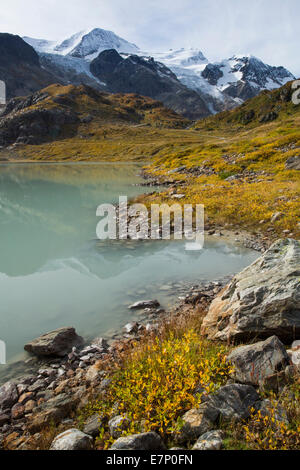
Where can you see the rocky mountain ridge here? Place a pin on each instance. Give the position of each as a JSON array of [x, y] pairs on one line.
[[223, 84]]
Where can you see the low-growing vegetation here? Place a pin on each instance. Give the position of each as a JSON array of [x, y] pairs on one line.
[[160, 378], [154, 382]]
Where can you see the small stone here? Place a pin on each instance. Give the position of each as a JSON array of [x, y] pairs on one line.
[[17, 411], [29, 407], [276, 216], [40, 384], [117, 425], [211, 440], [4, 418], [8, 395], [93, 425], [131, 328], [25, 397], [22, 388], [101, 343]]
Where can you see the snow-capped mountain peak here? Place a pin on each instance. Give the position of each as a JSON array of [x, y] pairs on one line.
[[222, 85], [245, 69], [84, 44]]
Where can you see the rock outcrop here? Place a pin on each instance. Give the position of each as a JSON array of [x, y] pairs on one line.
[[56, 343], [263, 300]]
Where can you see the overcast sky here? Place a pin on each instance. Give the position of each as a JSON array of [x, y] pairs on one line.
[[220, 28]]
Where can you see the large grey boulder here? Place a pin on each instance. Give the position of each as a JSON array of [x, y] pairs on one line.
[[55, 343], [233, 402], [143, 441], [263, 300], [255, 363], [73, 439], [8, 395]]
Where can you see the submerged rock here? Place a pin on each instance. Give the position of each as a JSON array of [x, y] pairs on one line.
[[263, 300], [257, 362], [55, 343], [144, 304]]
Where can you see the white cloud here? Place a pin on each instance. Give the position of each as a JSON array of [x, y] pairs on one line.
[[265, 28]]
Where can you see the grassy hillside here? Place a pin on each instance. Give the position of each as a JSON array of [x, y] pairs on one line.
[[101, 125], [239, 169]]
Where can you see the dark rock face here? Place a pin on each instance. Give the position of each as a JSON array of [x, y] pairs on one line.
[[13, 48], [255, 363], [32, 126], [255, 76], [143, 441], [242, 90], [56, 343], [20, 67], [144, 76], [212, 73]]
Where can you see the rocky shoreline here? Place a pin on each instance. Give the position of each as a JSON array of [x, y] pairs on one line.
[[73, 373]]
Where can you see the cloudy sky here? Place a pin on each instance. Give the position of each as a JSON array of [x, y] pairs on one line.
[[220, 28]]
